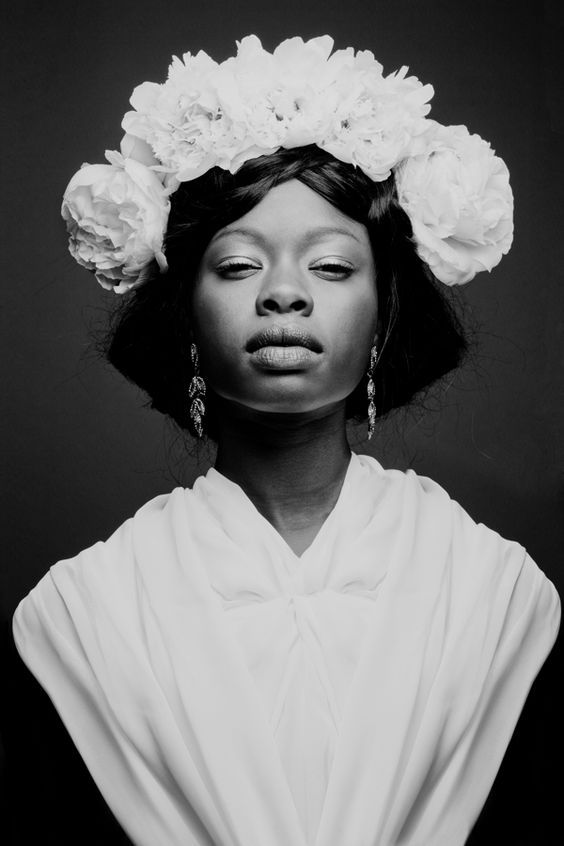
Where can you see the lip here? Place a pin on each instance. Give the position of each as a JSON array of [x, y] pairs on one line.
[[283, 358], [290, 335]]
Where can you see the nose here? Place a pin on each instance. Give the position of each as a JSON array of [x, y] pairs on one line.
[[283, 291]]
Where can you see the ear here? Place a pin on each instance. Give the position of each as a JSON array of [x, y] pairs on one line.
[[378, 332]]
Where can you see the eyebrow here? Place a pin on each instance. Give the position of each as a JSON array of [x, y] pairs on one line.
[[310, 235]]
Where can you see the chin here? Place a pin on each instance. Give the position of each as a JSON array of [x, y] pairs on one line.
[[302, 406]]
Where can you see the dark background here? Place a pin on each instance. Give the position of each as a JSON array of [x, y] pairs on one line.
[[79, 451]]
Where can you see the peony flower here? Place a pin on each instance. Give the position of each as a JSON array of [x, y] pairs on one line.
[[269, 101], [243, 85], [134, 148], [116, 216], [176, 118], [302, 99], [458, 197], [208, 114], [378, 119]]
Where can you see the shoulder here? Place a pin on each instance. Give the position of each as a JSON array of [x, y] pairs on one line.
[[485, 572], [430, 502], [97, 576], [107, 557]]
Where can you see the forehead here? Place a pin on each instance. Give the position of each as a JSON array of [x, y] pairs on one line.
[[292, 210]]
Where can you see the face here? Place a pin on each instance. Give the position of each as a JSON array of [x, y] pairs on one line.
[[299, 270]]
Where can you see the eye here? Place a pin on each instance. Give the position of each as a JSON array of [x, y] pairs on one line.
[[236, 269], [333, 269]]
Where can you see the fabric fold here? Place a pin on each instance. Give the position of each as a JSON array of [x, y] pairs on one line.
[[223, 690]]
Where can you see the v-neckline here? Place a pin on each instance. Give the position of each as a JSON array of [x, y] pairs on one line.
[[271, 530], [236, 675], [247, 689], [228, 730]]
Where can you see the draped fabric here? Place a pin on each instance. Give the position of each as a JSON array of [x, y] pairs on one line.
[[223, 690]]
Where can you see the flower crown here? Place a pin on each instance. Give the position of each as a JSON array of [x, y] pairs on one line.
[[451, 184]]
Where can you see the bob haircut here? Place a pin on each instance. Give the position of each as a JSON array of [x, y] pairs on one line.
[[149, 336]]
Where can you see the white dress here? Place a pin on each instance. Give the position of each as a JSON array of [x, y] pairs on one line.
[[224, 691]]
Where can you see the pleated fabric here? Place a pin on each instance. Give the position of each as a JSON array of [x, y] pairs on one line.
[[223, 690]]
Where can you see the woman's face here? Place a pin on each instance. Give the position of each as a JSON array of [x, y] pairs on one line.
[[293, 264]]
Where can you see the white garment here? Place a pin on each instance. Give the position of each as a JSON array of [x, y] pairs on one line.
[[224, 691]]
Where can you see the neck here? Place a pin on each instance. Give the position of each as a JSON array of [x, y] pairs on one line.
[[291, 466]]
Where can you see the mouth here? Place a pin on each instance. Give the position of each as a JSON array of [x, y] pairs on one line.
[[283, 336], [292, 359]]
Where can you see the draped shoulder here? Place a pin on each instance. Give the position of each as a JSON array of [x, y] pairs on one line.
[[176, 654]]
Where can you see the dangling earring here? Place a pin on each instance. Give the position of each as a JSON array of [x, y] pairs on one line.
[[371, 390], [197, 392]]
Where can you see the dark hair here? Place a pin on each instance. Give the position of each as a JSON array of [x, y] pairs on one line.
[[148, 340]]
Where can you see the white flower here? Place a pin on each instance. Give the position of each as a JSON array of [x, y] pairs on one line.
[[176, 118], [208, 114], [243, 85], [301, 99], [116, 216], [273, 98], [135, 148], [458, 197], [378, 119]]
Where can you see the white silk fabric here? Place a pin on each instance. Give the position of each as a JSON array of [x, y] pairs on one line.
[[224, 691]]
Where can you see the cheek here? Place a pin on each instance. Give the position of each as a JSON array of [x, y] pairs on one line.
[[356, 325], [215, 330], [354, 331]]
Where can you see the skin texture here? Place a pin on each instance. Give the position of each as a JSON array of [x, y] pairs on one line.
[[282, 431]]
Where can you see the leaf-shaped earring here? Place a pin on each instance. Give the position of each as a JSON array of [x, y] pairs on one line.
[[197, 392], [371, 391]]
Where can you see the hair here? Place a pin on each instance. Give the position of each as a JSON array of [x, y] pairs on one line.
[[149, 339]]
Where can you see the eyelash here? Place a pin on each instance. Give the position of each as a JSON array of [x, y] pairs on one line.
[[232, 266], [237, 266]]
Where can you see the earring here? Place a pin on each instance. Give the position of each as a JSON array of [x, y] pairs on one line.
[[197, 392], [371, 390]]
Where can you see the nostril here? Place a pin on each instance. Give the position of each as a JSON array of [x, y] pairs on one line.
[[275, 305]]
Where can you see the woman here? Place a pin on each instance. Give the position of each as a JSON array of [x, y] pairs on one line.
[[304, 648]]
